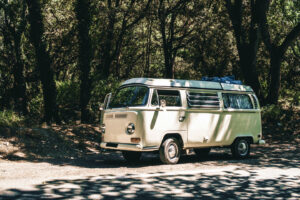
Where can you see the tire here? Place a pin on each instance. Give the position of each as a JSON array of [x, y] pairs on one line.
[[203, 152], [170, 151], [132, 156], [240, 149]]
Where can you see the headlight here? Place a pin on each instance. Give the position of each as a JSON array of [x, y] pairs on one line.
[[130, 128], [102, 128]]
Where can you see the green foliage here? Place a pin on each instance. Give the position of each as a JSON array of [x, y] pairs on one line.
[[100, 89], [36, 105], [10, 118], [290, 98], [68, 94], [271, 113], [127, 42], [285, 112], [68, 99]]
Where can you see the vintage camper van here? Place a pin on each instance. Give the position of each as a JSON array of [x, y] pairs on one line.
[[171, 116]]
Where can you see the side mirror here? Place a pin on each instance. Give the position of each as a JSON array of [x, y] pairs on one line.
[[162, 103], [101, 107], [106, 101], [104, 106]]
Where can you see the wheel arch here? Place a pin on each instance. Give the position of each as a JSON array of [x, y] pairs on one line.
[[249, 138], [174, 135]]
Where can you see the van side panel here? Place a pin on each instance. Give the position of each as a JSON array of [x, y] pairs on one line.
[[221, 128], [202, 127], [235, 124]]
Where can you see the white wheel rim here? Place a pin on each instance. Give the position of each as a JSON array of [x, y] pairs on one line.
[[172, 151], [242, 148]]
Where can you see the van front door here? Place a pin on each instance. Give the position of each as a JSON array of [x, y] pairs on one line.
[[168, 118]]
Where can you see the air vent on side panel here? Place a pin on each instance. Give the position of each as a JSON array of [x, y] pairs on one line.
[[120, 116], [203, 100], [109, 116]]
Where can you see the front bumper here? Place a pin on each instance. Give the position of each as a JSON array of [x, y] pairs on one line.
[[261, 142], [127, 147]]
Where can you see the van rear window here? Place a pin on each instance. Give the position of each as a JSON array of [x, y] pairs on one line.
[[203, 100], [237, 101]]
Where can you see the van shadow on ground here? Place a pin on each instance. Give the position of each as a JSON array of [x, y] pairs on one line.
[[228, 185], [282, 156]]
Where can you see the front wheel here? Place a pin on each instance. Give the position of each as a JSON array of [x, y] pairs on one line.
[[132, 156], [240, 148], [170, 151]]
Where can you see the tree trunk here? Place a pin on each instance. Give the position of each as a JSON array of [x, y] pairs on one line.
[[148, 48], [168, 63], [19, 79], [248, 67], [85, 52], [43, 60], [276, 51], [275, 76], [247, 49]]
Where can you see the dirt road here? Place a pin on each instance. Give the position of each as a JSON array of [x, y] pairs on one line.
[[271, 172]]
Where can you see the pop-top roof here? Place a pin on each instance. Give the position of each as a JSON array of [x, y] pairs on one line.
[[187, 84]]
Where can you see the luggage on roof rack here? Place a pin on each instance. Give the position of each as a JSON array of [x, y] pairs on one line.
[[225, 79]]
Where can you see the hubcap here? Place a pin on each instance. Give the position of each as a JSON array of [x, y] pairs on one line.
[[243, 148], [172, 151]]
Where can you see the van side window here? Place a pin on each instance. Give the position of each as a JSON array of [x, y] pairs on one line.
[[237, 101], [154, 101], [172, 97], [203, 100]]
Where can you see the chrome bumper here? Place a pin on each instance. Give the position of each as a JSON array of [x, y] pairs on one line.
[[261, 142], [127, 147]]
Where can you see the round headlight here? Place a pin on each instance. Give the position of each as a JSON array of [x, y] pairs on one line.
[[102, 128], [130, 128]]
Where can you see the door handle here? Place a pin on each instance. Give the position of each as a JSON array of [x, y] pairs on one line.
[[181, 118]]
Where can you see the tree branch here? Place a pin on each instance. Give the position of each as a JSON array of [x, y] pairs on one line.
[[262, 8], [293, 35]]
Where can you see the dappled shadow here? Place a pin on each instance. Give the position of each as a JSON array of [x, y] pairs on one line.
[[278, 156], [78, 145], [282, 156], [51, 143], [237, 184]]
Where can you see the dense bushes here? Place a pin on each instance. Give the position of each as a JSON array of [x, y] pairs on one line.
[[10, 118]]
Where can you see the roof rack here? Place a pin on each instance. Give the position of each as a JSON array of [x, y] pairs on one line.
[[188, 84]]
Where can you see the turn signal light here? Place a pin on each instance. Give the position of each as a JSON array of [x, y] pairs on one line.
[[135, 140]]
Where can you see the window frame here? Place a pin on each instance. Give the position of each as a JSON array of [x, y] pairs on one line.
[[238, 109], [155, 90], [140, 105]]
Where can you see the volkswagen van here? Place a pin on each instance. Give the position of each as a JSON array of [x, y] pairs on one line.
[[171, 116]]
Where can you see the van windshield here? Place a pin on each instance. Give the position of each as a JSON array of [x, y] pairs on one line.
[[130, 96]]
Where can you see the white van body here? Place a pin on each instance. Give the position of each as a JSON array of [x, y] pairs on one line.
[[197, 114]]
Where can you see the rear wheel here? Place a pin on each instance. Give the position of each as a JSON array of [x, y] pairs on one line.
[[170, 151], [132, 156], [202, 152], [240, 148]]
